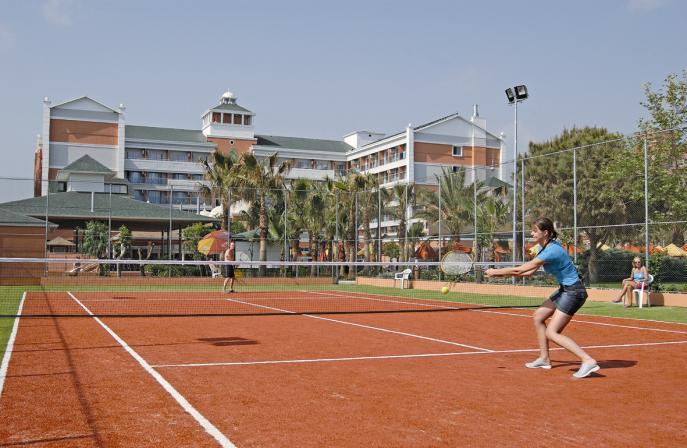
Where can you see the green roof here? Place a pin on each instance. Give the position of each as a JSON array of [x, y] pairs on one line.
[[87, 164], [10, 218], [164, 134], [495, 182], [77, 205], [231, 107], [308, 144]]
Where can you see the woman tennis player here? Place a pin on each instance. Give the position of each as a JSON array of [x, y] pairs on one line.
[[562, 304]]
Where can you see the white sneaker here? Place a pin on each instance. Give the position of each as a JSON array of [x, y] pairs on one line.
[[538, 364], [586, 370]]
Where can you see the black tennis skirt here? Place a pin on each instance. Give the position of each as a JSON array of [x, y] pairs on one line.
[[569, 299]]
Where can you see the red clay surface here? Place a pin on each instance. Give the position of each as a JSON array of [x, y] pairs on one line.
[[71, 384]]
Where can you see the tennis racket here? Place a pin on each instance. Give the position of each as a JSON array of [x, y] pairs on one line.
[[455, 264]]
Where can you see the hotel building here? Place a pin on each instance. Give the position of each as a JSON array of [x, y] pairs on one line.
[[160, 165]]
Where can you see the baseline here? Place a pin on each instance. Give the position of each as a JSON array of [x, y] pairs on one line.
[[590, 322], [419, 355]]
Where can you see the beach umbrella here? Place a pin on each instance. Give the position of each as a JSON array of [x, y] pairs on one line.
[[213, 243]]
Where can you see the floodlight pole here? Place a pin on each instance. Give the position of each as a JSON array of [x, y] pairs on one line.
[[515, 181]]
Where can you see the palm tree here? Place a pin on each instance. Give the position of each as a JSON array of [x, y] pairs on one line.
[[457, 203], [367, 204], [415, 232], [493, 213], [404, 196], [310, 199], [222, 175], [348, 188], [260, 179]]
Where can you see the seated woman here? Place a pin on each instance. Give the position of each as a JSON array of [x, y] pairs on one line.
[[637, 280]]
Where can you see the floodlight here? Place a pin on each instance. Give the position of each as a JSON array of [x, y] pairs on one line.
[[521, 92], [510, 95]]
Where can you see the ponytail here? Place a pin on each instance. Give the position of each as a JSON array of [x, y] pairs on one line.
[[546, 225]]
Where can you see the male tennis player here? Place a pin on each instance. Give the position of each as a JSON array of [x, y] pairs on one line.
[[228, 269], [561, 305]]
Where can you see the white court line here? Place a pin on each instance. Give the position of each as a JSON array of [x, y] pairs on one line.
[[605, 324], [421, 355], [529, 316], [4, 366], [524, 308], [188, 407], [344, 296], [362, 326]]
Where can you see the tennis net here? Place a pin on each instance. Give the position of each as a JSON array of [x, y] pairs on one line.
[[69, 287]]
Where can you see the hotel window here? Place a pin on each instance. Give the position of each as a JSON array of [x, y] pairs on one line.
[[303, 164], [61, 187], [164, 197], [341, 169], [199, 156], [135, 154], [157, 178], [457, 151], [139, 195], [178, 156], [226, 118], [116, 188], [401, 153], [153, 197], [322, 164], [157, 154], [455, 168], [180, 197], [394, 154], [216, 117], [238, 119], [247, 120], [135, 177]]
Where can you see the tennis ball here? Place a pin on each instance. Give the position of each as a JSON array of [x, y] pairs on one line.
[[444, 290]]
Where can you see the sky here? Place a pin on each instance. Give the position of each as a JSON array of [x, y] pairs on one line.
[[322, 69]]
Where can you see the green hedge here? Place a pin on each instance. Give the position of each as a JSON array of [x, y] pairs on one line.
[[615, 265]]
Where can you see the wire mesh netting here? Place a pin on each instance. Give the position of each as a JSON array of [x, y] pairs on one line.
[[65, 287]]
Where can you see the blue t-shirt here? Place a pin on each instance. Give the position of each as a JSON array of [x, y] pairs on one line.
[[557, 262]]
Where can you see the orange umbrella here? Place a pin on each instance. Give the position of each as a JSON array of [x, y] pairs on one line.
[[213, 243]]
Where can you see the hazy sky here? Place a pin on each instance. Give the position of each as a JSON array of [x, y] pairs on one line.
[[322, 69]]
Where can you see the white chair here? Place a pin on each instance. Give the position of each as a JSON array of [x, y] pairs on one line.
[[215, 270], [402, 276], [640, 292]]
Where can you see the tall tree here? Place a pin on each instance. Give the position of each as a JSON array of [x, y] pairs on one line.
[[453, 204], [348, 188], [222, 176], [549, 185], [399, 202], [666, 131], [95, 242], [260, 181], [492, 214]]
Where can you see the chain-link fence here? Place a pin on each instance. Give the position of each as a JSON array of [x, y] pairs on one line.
[[610, 200]]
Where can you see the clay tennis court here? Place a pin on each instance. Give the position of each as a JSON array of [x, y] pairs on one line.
[[370, 379]]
